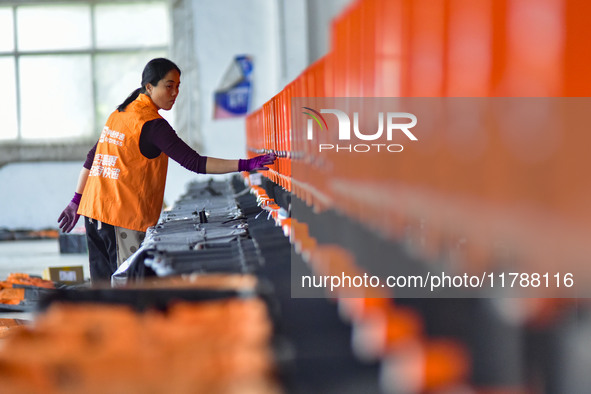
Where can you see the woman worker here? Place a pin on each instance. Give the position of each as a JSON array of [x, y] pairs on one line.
[[120, 189]]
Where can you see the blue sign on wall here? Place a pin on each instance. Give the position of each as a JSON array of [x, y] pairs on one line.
[[232, 98]]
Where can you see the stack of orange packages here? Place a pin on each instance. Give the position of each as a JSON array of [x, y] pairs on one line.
[[28, 280], [10, 296], [15, 295], [215, 346]]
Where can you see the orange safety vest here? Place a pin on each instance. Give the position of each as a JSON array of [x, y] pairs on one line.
[[124, 188]]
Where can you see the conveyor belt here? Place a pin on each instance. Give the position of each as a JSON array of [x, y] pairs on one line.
[[220, 227]]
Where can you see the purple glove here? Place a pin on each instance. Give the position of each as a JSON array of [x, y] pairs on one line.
[[69, 216], [256, 163]]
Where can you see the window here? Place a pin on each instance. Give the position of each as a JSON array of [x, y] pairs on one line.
[[67, 66], [8, 109], [6, 30], [53, 27]]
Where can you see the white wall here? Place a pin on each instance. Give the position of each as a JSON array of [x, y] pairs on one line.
[[223, 29], [320, 14], [293, 34], [32, 195], [282, 36]]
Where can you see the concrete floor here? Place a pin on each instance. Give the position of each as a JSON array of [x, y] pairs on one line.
[[32, 257]]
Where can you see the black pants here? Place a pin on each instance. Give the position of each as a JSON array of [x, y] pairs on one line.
[[102, 250]]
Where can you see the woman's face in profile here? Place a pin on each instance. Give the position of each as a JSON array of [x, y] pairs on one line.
[[165, 92]]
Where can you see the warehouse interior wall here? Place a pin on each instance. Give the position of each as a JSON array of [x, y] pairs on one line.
[[283, 37], [239, 27]]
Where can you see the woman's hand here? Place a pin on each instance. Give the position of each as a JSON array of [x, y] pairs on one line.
[[256, 163], [69, 216]]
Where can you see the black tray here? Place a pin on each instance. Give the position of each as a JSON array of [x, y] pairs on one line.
[[32, 296], [139, 299], [22, 307]]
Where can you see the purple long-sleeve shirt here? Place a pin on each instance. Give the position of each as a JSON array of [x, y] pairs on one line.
[[158, 136]]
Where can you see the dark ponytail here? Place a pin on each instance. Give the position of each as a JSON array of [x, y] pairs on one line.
[[154, 71], [130, 98]]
